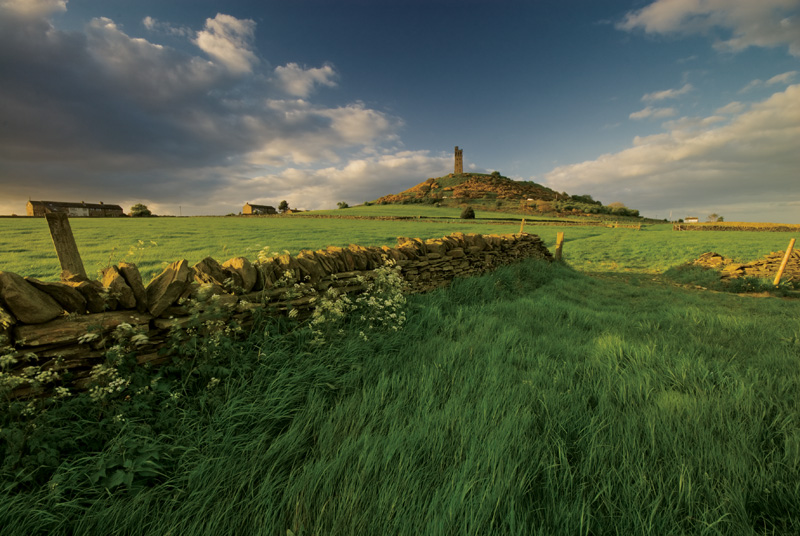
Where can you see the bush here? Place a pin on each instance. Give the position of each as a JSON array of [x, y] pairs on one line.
[[468, 214], [342, 204]]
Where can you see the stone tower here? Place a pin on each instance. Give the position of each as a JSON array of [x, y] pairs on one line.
[[459, 169]]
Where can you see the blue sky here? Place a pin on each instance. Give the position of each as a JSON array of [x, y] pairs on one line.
[[673, 107]]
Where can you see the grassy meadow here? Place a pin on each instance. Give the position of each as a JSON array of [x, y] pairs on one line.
[[154, 242], [590, 397]]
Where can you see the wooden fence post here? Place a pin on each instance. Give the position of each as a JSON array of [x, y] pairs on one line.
[[522, 226], [559, 244], [783, 264], [64, 242]]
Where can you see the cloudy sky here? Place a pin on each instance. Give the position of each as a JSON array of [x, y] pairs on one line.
[[682, 107]]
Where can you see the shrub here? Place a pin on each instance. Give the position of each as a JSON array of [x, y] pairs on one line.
[[468, 214], [342, 204]]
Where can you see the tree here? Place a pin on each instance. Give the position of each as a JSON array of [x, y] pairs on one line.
[[139, 210], [342, 204], [714, 217], [283, 207]]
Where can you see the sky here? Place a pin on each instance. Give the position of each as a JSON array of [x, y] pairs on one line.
[[674, 107]]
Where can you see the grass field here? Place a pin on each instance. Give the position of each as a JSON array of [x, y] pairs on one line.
[[540, 399], [155, 242]]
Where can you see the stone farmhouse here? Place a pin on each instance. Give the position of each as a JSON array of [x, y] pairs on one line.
[[258, 209], [90, 210], [691, 219]]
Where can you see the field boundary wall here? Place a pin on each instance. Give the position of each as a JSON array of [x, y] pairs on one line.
[[46, 324]]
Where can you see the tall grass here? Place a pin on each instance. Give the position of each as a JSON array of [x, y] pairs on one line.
[[535, 400]]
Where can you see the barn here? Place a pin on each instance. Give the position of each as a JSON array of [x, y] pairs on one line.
[[90, 210], [258, 209]]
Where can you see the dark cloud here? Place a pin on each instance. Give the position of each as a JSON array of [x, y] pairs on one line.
[[99, 111]]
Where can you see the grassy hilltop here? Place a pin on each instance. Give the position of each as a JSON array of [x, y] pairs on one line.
[[498, 193]]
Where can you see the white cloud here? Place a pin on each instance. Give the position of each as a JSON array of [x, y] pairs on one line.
[[750, 159], [667, 93], [155, 25], [300, 82], [783, 78], [654, 113], [312, 133], [33, 8], [145, 71], [732, 108], [230, 42], [759, 23], [358, 180]]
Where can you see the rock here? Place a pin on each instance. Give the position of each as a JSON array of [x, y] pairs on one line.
[[95, 295], [134, 279], [118, 287], [25, 302], [247, 272], [6, 321], [209, 271], [66, 296], [168, 286]]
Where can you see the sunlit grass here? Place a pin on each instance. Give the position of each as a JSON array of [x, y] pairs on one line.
[[535, 400], [654, 248]]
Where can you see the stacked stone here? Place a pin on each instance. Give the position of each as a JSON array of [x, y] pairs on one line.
[[46, 321], [765, 268]]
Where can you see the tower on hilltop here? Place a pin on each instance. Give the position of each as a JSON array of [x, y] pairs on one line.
[[459, 169]]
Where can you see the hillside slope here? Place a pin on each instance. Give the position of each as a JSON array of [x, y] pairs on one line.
[[473, 186], [496, 192]]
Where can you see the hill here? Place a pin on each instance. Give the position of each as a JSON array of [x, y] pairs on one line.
[[496, 192]]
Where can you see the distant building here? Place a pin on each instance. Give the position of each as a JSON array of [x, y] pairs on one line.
[[258, 209], [459, 167], [691, 219], [90, 210]]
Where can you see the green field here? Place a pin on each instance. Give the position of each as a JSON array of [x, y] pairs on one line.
[[591, 397], [154, 242]]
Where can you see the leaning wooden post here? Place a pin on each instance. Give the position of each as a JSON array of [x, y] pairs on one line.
[[783, 264], [66, 248], [522, 226], [559, 245]]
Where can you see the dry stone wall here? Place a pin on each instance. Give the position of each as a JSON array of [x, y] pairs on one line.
[[45, 324], [765, 268]]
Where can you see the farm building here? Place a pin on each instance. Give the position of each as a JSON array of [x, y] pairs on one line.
[[258, 209], [91, 210], [691, 219]]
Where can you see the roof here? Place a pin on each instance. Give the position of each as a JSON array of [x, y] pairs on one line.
[[260, 206], [66, 204]]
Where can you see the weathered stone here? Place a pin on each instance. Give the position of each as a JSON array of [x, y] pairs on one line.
[[97, 300], [66, 330], [456, 253], [246, 271], [6, 319], [25, 302], [359, 254], [167, 287], [312, 268], [134, 279], [67, 297], [118, 287], [209, 271]]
